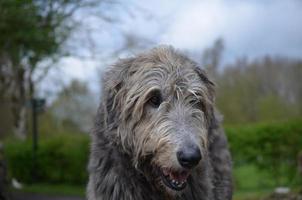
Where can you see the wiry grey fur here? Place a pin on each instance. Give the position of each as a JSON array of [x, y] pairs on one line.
[[131, 139]]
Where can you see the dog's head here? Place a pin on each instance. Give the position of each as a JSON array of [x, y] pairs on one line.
[[161, 105]]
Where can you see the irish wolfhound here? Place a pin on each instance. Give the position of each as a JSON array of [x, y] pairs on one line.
[[156, 134]]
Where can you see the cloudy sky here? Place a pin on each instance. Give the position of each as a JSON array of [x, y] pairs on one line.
[[248, 28], [251, 28]]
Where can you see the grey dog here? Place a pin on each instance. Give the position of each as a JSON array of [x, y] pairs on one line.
[[157, 134]]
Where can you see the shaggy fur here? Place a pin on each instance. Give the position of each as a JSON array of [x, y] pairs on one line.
[[152, 105]]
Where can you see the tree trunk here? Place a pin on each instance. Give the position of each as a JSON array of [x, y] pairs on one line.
[[20, 129], [18, 106], [4, 183]]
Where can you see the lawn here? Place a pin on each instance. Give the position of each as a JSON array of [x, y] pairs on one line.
[[250, 184], [68, 190], [80, 191]]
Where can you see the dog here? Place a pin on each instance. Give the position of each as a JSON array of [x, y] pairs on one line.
[[157, 134]]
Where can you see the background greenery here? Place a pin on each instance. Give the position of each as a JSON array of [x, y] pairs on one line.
[[264, 156]]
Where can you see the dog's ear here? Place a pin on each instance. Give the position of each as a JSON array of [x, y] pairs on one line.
[[212, 119], [113, 91], [205, 79]]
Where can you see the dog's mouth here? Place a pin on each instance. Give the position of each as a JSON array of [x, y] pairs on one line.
[[176, 180]]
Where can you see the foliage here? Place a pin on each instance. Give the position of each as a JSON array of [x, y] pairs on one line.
[[264, 155], [212, 57], [257, 90], [260, 91], [50, 126], [74, 99], [60, 159], [32, 31], [55, 189], [272, 148]]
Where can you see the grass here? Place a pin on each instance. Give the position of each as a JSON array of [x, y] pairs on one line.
[[251, 194], [250, 178], [254, 184], [65, 190], [250, 184]]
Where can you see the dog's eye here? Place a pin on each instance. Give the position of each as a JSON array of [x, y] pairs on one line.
[[203, 106], [198, 104], [155, 100]]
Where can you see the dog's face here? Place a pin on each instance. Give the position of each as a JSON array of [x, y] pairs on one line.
[[165, 116]]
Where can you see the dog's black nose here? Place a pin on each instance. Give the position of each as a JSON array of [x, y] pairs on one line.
[[189, 157]]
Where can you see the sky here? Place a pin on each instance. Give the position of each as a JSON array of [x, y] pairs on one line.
[[249, 28]]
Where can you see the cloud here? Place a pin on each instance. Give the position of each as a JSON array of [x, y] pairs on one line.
[[250, 28]]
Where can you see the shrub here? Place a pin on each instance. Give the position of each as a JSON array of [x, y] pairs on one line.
[[270, 147], [59, 159]]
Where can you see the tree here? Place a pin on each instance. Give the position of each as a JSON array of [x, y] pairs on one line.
[[75, 106], [212, 56], [263, 89], [31, 31]]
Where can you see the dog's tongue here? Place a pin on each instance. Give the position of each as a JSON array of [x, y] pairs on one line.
[[166, 172], [180, 176]]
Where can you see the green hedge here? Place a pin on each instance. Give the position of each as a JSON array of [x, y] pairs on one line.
[[271, 148], [60, 159]]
